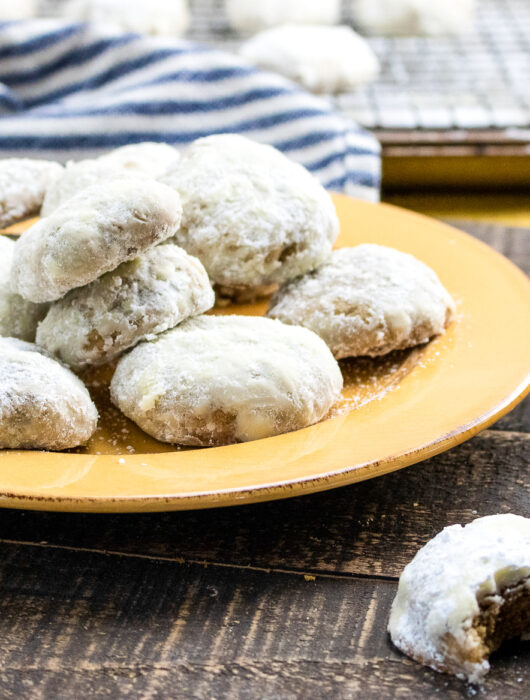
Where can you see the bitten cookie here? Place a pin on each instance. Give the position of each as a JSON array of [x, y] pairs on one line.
[[463, 594], [23, 183], [253, 217], [323, 59], [367, 300], [222, 380], [95, 324], [91, 234], [43, 405], [249, 16], [18, 317]]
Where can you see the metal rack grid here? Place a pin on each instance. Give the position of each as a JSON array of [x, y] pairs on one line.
[[477, 81]]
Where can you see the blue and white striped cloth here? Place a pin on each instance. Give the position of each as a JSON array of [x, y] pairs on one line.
[[71, 91]]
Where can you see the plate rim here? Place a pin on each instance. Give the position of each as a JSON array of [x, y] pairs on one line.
[[292, 486]]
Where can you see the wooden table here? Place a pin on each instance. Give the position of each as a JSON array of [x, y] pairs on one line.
[[279, 600]]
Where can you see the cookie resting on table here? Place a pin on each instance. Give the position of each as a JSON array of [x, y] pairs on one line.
[[92, 233], [219, 380], [463, 594], [253, 217], [367, 300], [141, 298], [249, 16], [322, 59], [18, 317], [43, 405], [23, 183]]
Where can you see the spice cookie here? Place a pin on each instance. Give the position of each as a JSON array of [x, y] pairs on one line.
[[91, 234], [367, 300], [43, 405], [463, 594], [218, 380], [253, 217], [141, 298], [18, 317], [23, 183]]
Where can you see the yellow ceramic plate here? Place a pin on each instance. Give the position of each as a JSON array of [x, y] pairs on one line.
[[395, 412]]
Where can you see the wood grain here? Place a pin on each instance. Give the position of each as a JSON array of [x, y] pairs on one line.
[[139, 628]]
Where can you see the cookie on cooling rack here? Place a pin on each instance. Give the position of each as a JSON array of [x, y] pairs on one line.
[[141, 298], [323, 59], [463, 594], [249, 16], [92, 233], [253, 217], [367, 300], [23, 183], [218, 380], [43, 405]]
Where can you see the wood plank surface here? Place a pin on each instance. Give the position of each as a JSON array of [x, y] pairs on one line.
[[286, 600]]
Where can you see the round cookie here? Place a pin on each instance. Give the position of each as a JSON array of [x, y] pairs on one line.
[[253, 217], [463, 594], [95, 324], [249, 16], [218, 380], [149, 158], [414, 17], [77, 177], [158, 17], [43, 405], [23, 183], [367, 300], [91, 234], [18, 317], [323, 59]]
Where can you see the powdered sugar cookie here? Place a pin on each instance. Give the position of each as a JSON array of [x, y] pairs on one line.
[[148, 158], [77, 177], [43, 405], [18, 317], [463, 594], [23, 183], [414, 17], [164, 17], [221, 380], [248, 16], [95, 324], [323, 59], [367, 300], [253, 217], [91, 234]]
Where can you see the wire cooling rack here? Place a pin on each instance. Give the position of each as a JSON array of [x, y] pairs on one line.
[[477, 82]]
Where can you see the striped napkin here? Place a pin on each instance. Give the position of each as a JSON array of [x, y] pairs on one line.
[[71, 91]]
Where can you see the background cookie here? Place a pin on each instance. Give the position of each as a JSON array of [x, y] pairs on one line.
[[367, 300], [42, 404], [253, 217], [148, 158], [323, 59], [146, 296], [220, 380], [463, 594], [18, 317], [23, 183], [249, 16], [91, 234]]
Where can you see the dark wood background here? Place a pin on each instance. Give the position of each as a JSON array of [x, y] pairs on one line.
[[281, 600]]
